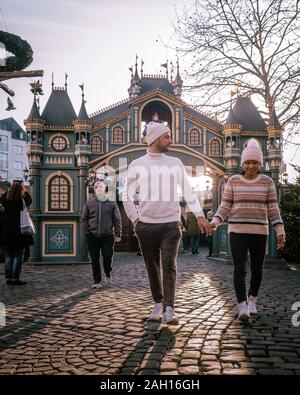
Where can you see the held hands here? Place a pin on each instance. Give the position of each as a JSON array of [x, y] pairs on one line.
[[118, 239], [280, 242], [204, 226]]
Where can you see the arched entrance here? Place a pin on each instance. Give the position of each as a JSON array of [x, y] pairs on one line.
[[156, 110]]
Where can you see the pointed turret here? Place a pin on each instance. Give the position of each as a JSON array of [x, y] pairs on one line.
[[177, 83], [35, 112], [134, 89], [83, 115], [231, 120], [274, 122]]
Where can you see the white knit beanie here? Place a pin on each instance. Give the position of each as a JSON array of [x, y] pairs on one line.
[[155, 130], [252, 152]]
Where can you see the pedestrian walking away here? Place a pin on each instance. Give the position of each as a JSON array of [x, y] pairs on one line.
[[101, 222], [249, 200]]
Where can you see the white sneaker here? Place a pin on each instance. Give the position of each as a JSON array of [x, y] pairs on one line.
[[108, 281], [243, 312], [252, 305], [156, 313], [169, 316], [97, 285]]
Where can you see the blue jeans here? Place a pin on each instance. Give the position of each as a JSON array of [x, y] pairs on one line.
[[13, 263], [195, 242]]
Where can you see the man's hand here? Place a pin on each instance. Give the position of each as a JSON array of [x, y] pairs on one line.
[[203, 225], [118, 239], [280, 242], [212, 225]]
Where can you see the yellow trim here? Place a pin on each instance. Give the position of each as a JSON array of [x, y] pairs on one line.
[[94, 153], [68, 145], [189, 133], [175, 148], [112, 134], [209, 147], [59, 173], [198, 122], [44, 237]]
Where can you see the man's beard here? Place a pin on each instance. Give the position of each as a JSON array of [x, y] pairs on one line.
[[163, 148]]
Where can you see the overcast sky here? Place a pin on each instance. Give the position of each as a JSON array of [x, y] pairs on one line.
[[95, 42]]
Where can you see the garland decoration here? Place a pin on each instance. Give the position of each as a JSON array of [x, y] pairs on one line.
[[21, 50]]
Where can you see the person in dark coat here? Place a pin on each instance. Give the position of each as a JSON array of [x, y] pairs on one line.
[[11, 238]]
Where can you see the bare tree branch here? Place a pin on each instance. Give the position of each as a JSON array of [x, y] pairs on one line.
[[253, 44]]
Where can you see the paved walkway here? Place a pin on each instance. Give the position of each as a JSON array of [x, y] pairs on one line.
[[57, 324]]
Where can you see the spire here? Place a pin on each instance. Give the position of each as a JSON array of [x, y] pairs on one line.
[[136, 77], [134, 89], [177, 83], [52, 83], [274, 122], [142, 69], [82, 116], [66, 83], [231, 120]]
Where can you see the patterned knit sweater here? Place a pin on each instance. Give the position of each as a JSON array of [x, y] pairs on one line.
[[249, 204]]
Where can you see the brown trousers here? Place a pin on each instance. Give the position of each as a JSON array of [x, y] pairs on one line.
[[159, 244]]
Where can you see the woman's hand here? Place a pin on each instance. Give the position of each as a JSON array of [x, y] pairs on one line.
[[118, 239], [280, 242]]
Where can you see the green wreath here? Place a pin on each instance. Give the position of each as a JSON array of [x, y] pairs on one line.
[[19, 48]]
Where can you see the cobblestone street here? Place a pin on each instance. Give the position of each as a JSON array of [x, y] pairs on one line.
[[56, 324]]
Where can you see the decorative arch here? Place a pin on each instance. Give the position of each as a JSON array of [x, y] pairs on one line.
[[64, 186], [220, 170], [58, 135], [215, 147], [97, 144], [159, 99]]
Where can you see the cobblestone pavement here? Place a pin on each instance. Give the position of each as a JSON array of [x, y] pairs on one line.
[[56, 324]]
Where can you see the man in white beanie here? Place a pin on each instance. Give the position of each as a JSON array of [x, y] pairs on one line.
[[157, 223], [250, 201]]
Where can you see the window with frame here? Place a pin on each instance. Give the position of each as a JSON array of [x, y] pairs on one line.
[[118, 135], [215, 147], [3, 160], [59, 194], [195, 137], [59, 143], [97, 145]]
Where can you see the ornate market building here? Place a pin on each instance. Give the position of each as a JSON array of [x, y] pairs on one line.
[[64, 147]]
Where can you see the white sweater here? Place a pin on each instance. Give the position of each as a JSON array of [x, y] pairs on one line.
[[157, 176]]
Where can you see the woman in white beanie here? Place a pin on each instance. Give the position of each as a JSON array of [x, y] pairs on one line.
[[249, 200]]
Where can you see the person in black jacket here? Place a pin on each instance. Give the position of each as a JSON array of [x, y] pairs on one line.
[[10, 233], [101, 222]]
